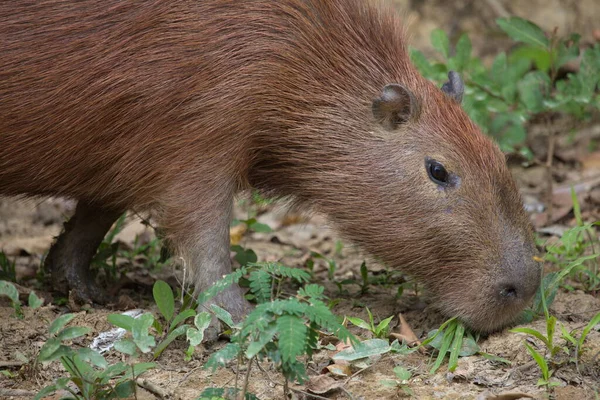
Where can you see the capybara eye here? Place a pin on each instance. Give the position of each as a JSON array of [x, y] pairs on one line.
[[437, 172]]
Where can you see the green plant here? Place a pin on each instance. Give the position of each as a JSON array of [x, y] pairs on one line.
[[503, 97], [7, 268], [576, 255], [91, 374], [379, 331], [9, 290], [174, 325], [282, 330], [401, 381], [450, 339]]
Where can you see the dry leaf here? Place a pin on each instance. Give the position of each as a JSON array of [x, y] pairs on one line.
[[322, 384]]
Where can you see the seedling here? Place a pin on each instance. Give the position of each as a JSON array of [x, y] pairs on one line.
[[88, 371], [379, 331]]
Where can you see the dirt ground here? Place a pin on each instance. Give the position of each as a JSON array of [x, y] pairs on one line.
[[27, 228]]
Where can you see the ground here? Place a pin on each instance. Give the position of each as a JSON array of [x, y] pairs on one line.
[[27, 228]]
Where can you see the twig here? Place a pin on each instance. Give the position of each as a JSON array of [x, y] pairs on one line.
[[356, 373], [310, 395], [11, 364], [16, 392], [153, 388]]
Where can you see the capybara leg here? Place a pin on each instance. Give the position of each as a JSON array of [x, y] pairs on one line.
[[202, 240], [69, 258]]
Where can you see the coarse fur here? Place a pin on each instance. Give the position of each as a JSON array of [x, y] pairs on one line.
[[174, 106]]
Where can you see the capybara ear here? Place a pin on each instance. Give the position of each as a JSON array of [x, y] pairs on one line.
[[455, 88], [396, 106]]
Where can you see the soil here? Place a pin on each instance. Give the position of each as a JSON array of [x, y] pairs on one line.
[[27, 228]]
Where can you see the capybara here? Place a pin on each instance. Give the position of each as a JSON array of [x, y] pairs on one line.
[[175, 106]]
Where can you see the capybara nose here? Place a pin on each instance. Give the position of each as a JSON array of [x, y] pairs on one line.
[[513, 293]]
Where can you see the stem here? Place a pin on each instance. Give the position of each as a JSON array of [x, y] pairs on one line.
[[247, 377], [549, 158]]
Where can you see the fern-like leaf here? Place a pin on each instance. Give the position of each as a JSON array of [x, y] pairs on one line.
[[292, 337], [312, 291], [319, 313], [221, 285], [280, 270], [260, 285]]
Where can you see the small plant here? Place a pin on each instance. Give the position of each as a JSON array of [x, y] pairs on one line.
[[401, 381], [9, 290], [282, 330], [88, 371], [173, 323], [452, 339], [7, 268], [380, 330], [576, 255], [501, 98]]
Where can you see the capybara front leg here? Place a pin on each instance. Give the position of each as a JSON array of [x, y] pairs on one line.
[[201, 238], [69, 258]]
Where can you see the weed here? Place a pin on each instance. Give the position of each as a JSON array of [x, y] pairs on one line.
[[87, 369], [452, 339], [501, 98], [7, 268], [9, 290], [281, 330], [380, 330]]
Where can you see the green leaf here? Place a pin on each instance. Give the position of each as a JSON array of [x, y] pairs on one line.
[[125, 389], [48, 349], [359, 322], [182, 316], [122, 321], [202, 320], [533, 89], [93, 357], [498, 67], [524, 31], [46, 391], [163, 296], [223, 315], [223, 356], [73, 332], [126, 346], [244, 256], [568, 50], [383, 325], [9, 290], [59, 322], [539, 359], [364, 349], [463, 52], [421, 62], [440, 42], [34, 301], [259, 227], [402, 373], [174, 334], [593, 322], [265, 336], [532, 332], [447, 339], [140, 332], [260, 285], [292, 337], [456, 347]]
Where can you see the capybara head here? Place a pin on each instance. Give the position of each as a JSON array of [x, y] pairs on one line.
[[470, 239], [354, 130]]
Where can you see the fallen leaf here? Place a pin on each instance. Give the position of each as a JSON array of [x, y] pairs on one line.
[[322, 384]]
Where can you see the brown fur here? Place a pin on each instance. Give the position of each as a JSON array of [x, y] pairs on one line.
[[174, 106]]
